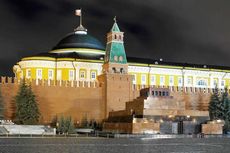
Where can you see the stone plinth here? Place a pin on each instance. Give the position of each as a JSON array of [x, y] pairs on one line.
[[212, 128], [138, 126]]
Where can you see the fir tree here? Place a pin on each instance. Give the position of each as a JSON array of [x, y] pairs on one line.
[[213, 105], [27, 111], [69, 125], [1, 106], [225, 102], [220, 107], [61, 125], [65, 125]]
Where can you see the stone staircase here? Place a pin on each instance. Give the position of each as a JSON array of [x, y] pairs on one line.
[[3, 130], [29, 129]]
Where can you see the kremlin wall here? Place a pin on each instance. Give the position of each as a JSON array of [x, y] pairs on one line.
[[81, 99]]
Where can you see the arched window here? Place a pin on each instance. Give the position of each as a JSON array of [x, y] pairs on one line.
[[120, 58], [115, 58], [115, 36], [202, 82], [114, 70], [121, 70]]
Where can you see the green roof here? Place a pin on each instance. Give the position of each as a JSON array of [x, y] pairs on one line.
[[115, 28]]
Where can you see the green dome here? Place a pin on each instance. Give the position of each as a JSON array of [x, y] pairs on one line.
[[78, 40]]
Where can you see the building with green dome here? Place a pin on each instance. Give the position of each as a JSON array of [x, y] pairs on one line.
[[79, 56]]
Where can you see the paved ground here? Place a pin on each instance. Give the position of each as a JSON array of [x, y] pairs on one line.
[[122, 145]]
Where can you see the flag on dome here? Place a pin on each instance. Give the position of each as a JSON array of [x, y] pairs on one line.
[[78, 12]]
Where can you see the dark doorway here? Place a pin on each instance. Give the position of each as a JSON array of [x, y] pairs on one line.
[[180, 127]]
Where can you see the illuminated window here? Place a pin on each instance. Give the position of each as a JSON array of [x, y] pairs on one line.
[[120, 58], [82, 74], [162, 80], [50, 74], [223, 83], [28, 73], [189, 81], [39, 73], [143, 79], [202, 82], [71, 74], [153, 80], [180, 81], [215, 83], [171, 80], [93, 75], [115, 58]]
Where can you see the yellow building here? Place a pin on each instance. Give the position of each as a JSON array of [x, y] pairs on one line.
[[79, 56]]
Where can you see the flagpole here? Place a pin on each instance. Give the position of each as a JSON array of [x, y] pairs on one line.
[[81, 18]]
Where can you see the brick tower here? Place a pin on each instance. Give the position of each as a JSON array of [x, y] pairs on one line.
[[115, 80]]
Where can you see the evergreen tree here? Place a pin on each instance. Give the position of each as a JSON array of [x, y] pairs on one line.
[[69, 125], [65, 125], [225, 102], [213, 105], [61, 125], [220, 106], [27, 111], [1, 106]]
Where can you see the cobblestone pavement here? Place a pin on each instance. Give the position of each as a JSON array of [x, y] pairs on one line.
[[122, 145]]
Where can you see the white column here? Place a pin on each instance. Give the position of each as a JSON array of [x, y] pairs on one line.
[[185, 80], [211, 82], [194, 81], [88, 75], [219, 82]]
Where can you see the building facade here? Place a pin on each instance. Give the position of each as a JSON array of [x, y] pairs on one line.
[[79, 56]]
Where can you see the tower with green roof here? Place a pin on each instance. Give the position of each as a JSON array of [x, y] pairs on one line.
[[115, 80]]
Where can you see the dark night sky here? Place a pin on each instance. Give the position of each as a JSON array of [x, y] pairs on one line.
[[192, 31]]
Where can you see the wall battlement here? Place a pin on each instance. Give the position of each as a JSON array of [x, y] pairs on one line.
[[180, 89], [85, 84], [95, 84]]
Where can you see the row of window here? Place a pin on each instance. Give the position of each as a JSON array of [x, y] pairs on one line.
[[93, 75], [160, 93], [189, 81], [118, 59], [71, 75]]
